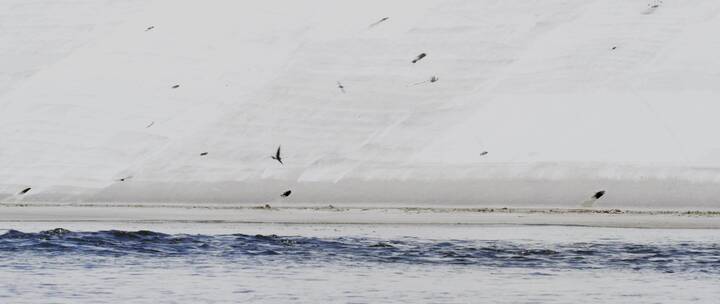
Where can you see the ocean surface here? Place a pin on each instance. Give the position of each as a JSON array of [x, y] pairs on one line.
[[577, 263]]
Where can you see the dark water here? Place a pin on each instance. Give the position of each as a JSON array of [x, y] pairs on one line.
[[701, 257]]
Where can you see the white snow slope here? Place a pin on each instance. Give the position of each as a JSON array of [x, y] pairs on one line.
[[568, 98]]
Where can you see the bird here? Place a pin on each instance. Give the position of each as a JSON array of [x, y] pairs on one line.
[[421, 56], [614, 47], [341, 87], [483, 153], [203, 154], [432, 79], [125, 178], [150, 125], [26, 190], [286, 193], [380, 21], [175, 86], [149, 28], [589, 202], [277, 156], [599, 194]]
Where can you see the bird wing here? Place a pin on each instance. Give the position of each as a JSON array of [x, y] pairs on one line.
[[277, 153]]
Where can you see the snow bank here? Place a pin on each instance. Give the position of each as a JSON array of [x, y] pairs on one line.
[[567, 98]]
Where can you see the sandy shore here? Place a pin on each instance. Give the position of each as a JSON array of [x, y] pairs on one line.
[[168, 213]]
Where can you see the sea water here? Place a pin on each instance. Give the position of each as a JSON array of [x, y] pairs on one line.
[[341, 263]]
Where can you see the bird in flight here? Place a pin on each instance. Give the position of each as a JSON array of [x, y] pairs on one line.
[[431, 80], [125, 178], [599, 194], [483, 153], [26, 190], [589, 203], [277, 156], [175, 86], [421, 56], [286, 193], [379, 21], [341, 87], [149, 28], [203, 154]]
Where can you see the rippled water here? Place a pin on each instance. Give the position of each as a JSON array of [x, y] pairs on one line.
[[681, 257], [144, 266]]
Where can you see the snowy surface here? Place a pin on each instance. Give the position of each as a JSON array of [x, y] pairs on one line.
[[568, 98]]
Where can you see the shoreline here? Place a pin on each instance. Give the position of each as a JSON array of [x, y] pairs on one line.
[[327, 215]]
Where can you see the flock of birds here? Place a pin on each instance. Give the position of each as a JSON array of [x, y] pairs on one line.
[[278, 156]]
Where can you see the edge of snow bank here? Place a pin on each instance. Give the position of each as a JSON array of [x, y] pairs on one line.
[[179, 213]]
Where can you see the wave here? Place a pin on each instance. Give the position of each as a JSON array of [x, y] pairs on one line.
[[671, 257]]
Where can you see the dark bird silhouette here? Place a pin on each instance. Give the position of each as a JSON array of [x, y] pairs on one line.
[[434, 79], [614, 47], [175, 86], [286, 193], [26, 190], [589, 202], [421, 56], [599, 194], [125, 178], [341, 87], [379, 21], [149, 28], [150, 125], [483, 153], [277, 156], [203, 154]]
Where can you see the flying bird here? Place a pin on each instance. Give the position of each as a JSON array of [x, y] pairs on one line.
[[589, 202], [125, 178], [431, 80], [483, 153], [203, 154], [599, 194], [175, 86], [277, 156], [341, 87], [421, 56], [286, 193], [149, 28], [26, 190], [652, 6], [150, 125], [379, 21], [614, 47]]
